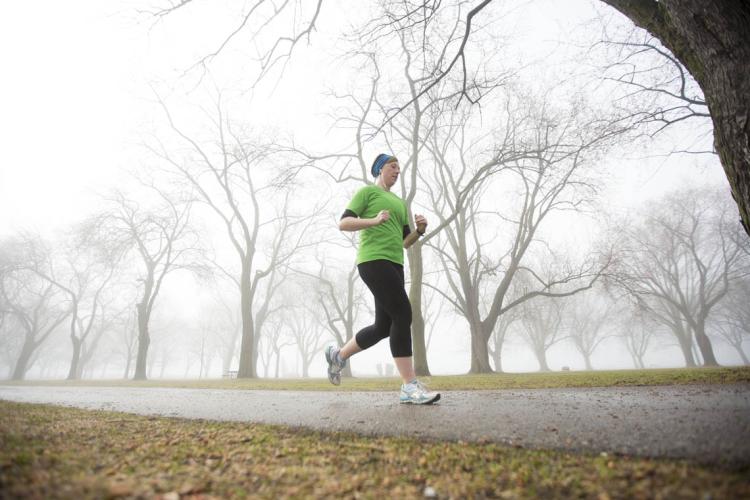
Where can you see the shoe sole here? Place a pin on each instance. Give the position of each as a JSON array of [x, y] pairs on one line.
[[429, 402]]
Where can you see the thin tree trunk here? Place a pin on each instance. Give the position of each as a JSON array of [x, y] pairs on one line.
[[704, 344], [74, 339], [421, 367], [127, 364], [74, 372], [247, 366], [639, 362], [497, 358], [200, 367], [143, 342]]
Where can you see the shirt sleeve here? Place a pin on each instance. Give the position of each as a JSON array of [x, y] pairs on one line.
[[358, 203]]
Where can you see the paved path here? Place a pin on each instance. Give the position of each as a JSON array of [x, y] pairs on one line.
[[706, 423]]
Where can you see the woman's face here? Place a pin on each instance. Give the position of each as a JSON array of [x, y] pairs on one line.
[[390, 172]]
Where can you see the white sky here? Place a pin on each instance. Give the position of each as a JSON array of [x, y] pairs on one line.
[[66, 108]]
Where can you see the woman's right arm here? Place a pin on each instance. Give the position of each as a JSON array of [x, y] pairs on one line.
[[357, 224]]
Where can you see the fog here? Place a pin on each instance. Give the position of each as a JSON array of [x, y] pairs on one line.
[[171, 186]]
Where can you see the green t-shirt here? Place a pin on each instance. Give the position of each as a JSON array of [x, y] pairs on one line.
[[384, 241]]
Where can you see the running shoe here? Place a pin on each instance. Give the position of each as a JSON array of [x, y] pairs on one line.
[[335, 365], [416, 393]]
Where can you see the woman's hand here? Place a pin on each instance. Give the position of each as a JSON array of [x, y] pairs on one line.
[[382, 217], [421, 223]]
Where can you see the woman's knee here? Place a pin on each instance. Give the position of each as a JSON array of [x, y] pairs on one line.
[[401, 343]]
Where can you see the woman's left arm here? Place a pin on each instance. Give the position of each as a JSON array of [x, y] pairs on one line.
[[412, 237]]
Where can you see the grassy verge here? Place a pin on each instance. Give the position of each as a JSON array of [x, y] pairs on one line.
[[721, 375], [52, 452]]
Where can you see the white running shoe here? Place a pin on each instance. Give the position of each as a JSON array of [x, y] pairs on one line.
[[416, 393], [334, 365]]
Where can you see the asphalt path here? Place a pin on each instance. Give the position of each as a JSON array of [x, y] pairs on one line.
[[703, 423]]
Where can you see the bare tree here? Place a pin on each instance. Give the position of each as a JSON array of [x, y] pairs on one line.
[[298, 17], [542, 327], [546, 154], [589, 319], [499, 335], [30, 303], [307, 333], [229, 327], [732, 319], [83, 270], [657, 90], [106, 321], [274, 340], [127, 338], [203, 346], [228, 176], [340, 296], [680, 261], [163, 241], [637, 332]]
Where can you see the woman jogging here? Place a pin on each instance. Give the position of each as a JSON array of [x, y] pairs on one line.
[[382, 218]]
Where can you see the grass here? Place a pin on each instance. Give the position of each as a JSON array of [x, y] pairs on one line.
[[670, 376], [54, 452]]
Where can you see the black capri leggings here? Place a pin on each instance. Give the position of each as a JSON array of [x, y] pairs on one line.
[[385, 279]]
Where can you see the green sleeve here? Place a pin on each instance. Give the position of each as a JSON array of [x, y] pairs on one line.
[[359, 202]]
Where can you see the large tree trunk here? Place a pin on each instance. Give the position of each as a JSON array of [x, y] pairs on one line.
[[73, 372], [480, 356], [686, 346], [711, 38], [22, 364], [247, 359], [127, 364], [587, 361], [541, 357], [684, 339], [417, 322]]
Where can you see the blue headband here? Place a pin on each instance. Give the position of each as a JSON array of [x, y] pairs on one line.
[[380, 161]]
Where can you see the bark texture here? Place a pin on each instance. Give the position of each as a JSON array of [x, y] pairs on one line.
[[712, 39]]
